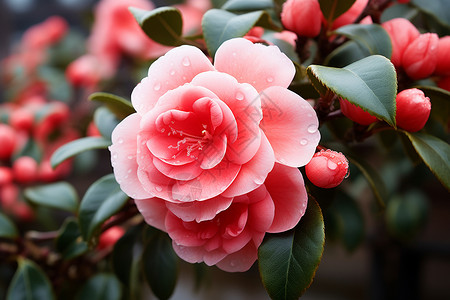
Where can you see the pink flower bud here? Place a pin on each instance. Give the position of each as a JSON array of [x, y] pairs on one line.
[[413, 109], [351, 14], [9, 195], [356, 113], [46, 33], [402, 32], [303, 17], [6, 176], [420, 57], [443, 57], [327, 168], [110, 237], [22, 119], [25, 169], [7, 141]]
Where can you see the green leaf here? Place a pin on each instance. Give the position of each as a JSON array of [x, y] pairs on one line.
[[372, 176], [60, 195], [247, 5], [332, 9], [369, 36], [164, 25], [7, 228], [73, 148], [346, 54], [102, 200], [119, 106], [122, 256], [160, 265], [370, 83], [288, 261], [439, 9], [398, 10], [29, 283], [102, 286], [435, 153], [69, 242], [105, 121], [220, 25], [56, 83]]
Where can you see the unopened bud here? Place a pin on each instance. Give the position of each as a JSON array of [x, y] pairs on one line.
[[351, 14], [413, 109], [303, 17], [356, 113], [402, 32], [327, 169], [443, 57], [25, 169], [6, 176], [420, 58], [7, 141], [110, 237]]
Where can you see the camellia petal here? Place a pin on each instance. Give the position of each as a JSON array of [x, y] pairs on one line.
[[291, 126], [154, 211], [240, 261], [256, 64], [200, 211]]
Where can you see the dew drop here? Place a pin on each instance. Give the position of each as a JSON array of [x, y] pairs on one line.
[[172, 72], [186, 62], [312, 128], [120, 141], [234, 54], [115, 155], [129, 171], [331, 165], [157, 86], [158, 188], [184, 78], [258, 181], [130, 156], [303, 142], [348, 173], [269, 79], [239, 96]]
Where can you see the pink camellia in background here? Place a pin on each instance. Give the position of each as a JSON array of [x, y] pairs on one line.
[[204, 135]]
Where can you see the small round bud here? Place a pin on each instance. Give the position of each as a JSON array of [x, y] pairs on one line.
[[443, 59], [327, 169], [303, 17], [22, 119], [110, 237], [413, 109], [6, 176], [356, 113], [420, 57], [25, 169], [351, 14], [7, 141]]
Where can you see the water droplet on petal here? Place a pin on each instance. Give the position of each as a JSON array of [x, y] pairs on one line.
[[312, 128], [172, 72], [130, 156], [331, 165], [239, 96], [129, 171], [120, 141], [184, 78], [158, 188], [259, 181], [186, 62], [269, 79], [157, 86], [303, 142]]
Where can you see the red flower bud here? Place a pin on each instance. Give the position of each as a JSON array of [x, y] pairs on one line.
[[303, 17], [413, 109], [356, 113], [402, 32], [351, 14], [403, 1], [327, 169], [7, 141], [110, 237], [6, 176], [25, 169], [420, 57], [9, 194], [443, 57], [22, 119]]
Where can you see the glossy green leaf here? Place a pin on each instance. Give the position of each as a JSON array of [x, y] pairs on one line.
[[121, 107], [440, 103], [346, 54], [435, 153], [370, 83], [69, 242], [369, 36], [105, 121], [102, 200], [247, 5], [122, 256], [7, 228], [332, 9], [29, 283], [221, 25], [406, 214], [75, 147], [160, 265], [439, 9], [164, 25], [102, 286], [60, 195], [398, 10], [288, 261]]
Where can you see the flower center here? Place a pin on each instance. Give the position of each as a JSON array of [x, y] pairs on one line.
[[189, 142]]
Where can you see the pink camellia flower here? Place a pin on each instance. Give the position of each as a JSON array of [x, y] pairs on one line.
[[356, 113], [327, 169], [413, 109], [303, 17], [42, 35], [228, 231], [420, 57], [351, 14], [443, 59], [204, 135], [402, 33]]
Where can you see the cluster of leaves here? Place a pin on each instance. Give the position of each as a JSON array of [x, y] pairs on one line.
[[355, 66]]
